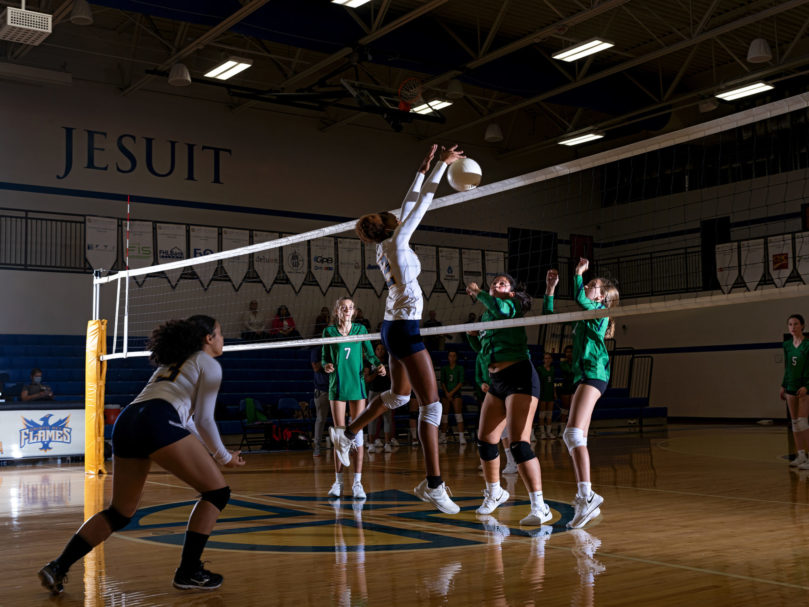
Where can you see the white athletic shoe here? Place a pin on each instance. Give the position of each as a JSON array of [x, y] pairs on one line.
[[461, 439], [371, 448], [538, 516], [511, 468], [336, 489], [442, 439], [490, 503], [342, 444], [438, 497], [388, 448], [550, 433], [394, 442], [804, 465], [584, 551], [441, 582], [359, 492], [799, 460], [378, 443], [587, 508], [495, 531]]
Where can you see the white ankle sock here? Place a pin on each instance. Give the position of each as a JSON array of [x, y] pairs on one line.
[[585, 489], [494, 489], [358, 477], [338, 477], [536, 500]]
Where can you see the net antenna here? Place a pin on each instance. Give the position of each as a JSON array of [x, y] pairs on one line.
[[410, 93]]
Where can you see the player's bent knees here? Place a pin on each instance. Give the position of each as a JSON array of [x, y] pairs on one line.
[[218, 497]]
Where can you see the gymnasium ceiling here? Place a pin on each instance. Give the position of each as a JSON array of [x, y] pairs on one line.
[[669, 55]]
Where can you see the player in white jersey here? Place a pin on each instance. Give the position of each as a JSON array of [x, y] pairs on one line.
[[410, 365], [170, 422]]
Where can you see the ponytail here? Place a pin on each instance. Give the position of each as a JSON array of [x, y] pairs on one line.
[[174, 341]]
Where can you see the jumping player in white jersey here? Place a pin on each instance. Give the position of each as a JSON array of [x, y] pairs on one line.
[[410, 365], [170, 422]]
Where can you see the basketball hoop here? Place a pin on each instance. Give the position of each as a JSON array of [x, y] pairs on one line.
[[409, 94]]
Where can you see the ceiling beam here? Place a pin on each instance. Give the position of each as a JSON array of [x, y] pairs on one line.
[[681, 71], [498, 21]]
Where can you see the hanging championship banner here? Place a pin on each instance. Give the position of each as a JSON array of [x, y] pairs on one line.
[[204, 240], [100, 234], [802, 255], [267, 262], [449, 270], [349, 262], [472, 266], [171, 247], [779, 249], [727, 265], [495, 265], [235, 267], [372, 271], [296, 264], [141, 247], [752, 261], [322, 261], [426, 255]]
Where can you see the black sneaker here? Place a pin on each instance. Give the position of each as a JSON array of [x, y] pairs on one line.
[[201, 578], [53, 578]]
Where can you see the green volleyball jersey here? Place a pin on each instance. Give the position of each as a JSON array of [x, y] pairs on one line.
[[546, 377], [452, 377], [347, 382], [796, 368], [498, 345], [481, 370]]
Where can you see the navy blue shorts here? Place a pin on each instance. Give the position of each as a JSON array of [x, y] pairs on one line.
[[598, 384], [519, 378], [143, 428], [401, 338]]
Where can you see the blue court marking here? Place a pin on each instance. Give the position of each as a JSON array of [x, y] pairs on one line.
[[269, 512]]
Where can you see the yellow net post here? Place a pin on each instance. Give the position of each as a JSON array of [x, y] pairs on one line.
[[95, 371]]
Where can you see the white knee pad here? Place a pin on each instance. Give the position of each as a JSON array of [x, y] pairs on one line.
[[358, 439], [799, 424], [431, 414], [459, 418], [574, 437], [394, 401], [444, 419]]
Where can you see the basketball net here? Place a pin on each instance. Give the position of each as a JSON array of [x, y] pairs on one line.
[[410, 94]]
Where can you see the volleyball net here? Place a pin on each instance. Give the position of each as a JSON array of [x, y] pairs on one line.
[[707, 216]]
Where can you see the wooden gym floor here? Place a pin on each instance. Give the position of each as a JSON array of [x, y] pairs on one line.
[[694, 515]]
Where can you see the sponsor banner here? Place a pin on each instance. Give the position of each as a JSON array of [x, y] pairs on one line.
[[266, 263], [372, 271], [495, 265], [752, 261], [141, 247], [449, 270], [472, 266], [779, 249], [41, 432], [204, 240], [171, 247], [235, 267], [429, 273], [349, 262], [322, 261], [802, 255], [100, 235], [296, 264], [727, 265]]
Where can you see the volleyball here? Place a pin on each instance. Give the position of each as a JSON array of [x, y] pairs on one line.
[[464, 174]]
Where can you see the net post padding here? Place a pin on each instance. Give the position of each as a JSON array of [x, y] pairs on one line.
[[95, 371], [94, 562]]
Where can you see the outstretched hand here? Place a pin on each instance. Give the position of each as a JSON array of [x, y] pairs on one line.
[[582, 266], [472, 289], [428, 159], [236, 460], [551, 280], [451, 155]]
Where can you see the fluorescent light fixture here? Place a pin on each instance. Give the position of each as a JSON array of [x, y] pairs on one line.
[[581, 138], [588, 47], [350, 3], [431, 106], [229, 68], [745, 91]]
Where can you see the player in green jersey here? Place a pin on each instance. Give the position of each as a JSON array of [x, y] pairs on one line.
[[343, 362], [452, 380], [591, 363], [512, 397], [547, 395], [794, 387]]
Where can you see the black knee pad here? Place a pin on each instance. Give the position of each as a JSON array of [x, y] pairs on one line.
[[414, 415], [115, 519], [522, 451], [488, 451], [218, 497]]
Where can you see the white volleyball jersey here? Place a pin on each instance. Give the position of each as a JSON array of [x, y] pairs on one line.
[[191, 387], [399, 263]]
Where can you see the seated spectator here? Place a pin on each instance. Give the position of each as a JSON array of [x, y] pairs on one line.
[[433, 342], [253, 323], [322, 321], [36, 390], [283, 325], [358, 317]]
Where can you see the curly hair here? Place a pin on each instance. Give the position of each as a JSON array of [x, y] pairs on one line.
[[373, 230], [174, 341]]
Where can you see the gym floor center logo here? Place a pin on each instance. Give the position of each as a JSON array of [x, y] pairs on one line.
[[45, 433], [388, 520]]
